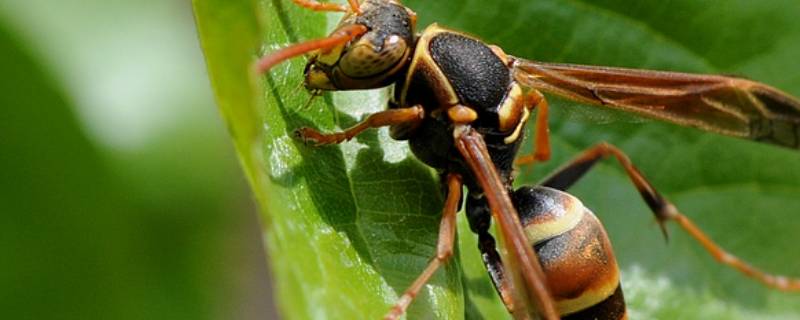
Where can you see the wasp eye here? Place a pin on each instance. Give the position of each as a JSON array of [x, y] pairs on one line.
[[363, 59]]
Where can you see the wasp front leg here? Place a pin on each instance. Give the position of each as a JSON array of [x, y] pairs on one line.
[[385, 118]]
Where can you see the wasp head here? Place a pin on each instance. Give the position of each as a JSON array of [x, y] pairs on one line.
[[371, 60]]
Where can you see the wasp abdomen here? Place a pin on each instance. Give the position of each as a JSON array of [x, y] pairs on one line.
[[575, 253]]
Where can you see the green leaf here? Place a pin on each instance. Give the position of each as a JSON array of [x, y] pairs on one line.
[[349, 227]]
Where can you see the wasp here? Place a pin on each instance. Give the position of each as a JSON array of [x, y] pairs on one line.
[[462, 105]]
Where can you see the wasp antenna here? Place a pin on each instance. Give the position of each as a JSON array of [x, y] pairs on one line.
[[341, 36], [318, 6]]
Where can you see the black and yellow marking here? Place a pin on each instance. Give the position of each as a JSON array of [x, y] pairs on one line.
[[573, 248], [577, 257], [372, 60], [425, 81]]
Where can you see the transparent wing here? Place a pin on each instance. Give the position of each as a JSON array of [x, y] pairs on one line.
[[725, 105]]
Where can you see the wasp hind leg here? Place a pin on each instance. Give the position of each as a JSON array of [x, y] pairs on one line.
[[375, 120], [444, 247], [663, 210], [480, 222]]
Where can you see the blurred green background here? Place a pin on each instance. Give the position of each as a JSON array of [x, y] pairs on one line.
[[120, 194]]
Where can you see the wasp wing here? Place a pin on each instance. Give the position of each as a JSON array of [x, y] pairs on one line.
[[725, 105]]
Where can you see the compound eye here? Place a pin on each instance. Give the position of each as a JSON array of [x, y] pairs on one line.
[[363, 59]]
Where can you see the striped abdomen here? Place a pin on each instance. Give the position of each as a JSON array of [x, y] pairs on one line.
[[575, 253]]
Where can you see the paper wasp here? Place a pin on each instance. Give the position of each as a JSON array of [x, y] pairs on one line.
[[466, 122]]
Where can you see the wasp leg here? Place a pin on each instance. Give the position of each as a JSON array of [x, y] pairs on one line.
[[541, 149], [480, 220], [444, 247], [524, 269], [663, 210], [341, 36], [381, 119], [318, 6]]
